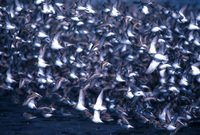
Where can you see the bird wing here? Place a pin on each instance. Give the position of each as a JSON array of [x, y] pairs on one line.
[[81, 97], [153, 65], [152, 48], [100, 99]]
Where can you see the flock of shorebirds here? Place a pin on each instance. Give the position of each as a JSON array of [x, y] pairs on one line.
[[113, 62]]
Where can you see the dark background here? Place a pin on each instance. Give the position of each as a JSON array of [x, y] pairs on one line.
[[12, 122]]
